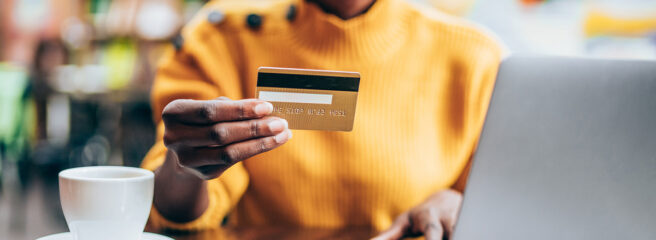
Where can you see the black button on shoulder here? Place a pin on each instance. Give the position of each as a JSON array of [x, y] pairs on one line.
[[215, 17], [254, 20], [291, 12], [177, 42]]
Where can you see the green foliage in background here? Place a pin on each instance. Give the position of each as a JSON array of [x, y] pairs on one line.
[[17, 115]]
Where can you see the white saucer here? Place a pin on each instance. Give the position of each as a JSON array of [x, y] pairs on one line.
[[69, 236]]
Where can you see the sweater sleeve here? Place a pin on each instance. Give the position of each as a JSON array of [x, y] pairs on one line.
[[483, 59], [180, 77]]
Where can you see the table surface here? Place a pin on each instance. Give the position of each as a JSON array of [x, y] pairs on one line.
[[274, 233]]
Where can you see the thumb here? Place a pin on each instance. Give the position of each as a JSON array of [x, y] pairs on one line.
[[397, 230]]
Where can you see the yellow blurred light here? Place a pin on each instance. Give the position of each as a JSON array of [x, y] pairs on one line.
[[600, 23], [455, 7]]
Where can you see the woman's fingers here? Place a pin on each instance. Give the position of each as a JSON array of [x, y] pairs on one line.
[[434, 219], [426, 220], [210, 136], [433, 231], [240, 151], [449, 222], [423, 220], [212, 161], [192, 112], [451, 201], [224, 133]]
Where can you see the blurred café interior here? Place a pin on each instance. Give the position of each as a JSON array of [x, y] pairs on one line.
[[75, 78]]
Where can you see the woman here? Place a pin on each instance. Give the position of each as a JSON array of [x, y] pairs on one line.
[[426, 82]]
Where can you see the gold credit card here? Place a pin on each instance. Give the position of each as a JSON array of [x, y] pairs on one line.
[[310, 99]]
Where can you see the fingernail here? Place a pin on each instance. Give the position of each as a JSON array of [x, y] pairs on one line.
[[283, 136], [286, 123], [263, 108], [277, 125]]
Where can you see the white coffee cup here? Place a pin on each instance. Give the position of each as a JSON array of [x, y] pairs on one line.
[[106, 202]]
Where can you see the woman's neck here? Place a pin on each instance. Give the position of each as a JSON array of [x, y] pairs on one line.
[[345, 9]]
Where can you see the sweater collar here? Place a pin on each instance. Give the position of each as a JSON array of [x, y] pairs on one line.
[[371, 34]]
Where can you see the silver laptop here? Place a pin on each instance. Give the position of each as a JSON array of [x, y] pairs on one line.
[[568, 151]]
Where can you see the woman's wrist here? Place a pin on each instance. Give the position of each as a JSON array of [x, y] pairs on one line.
[[180, 195], [171, 168]]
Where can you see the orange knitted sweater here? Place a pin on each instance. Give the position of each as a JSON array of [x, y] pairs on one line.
[[426, 81]]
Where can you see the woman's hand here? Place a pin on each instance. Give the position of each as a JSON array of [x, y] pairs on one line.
[[207, 137], [204, 139], [434, 218]]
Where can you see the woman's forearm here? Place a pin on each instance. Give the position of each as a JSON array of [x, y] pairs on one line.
[[179, 195]]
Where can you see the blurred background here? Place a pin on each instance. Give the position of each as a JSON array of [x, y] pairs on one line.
[[75, 77]]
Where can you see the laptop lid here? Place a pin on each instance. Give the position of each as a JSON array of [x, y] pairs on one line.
[[568, 151]]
